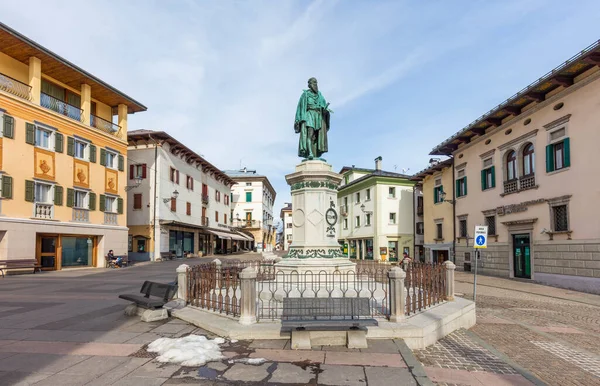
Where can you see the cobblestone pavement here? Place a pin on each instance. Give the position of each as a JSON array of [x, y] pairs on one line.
[[552, 333]]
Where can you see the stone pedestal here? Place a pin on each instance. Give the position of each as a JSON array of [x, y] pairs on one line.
[[315, 221]]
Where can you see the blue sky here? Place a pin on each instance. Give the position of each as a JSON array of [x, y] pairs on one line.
[[224, 77]]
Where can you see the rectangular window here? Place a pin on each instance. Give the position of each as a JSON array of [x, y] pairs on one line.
[[392, 218], [248, 196], [42, 193], [491, 223], [420, 228], [189, 182], [80, 150], [289, 225], [357, 221], [439, 233], [368, 219], [368, 194], [358, 197], [488, 178], [80, 199], [217, 196], [248, 183], [462, 225], [188, 208], [392, 192], [205, 190], [559, 156], [137, 201], [225, 218], [43, 138], [217, 216], [346, 202], [173, 205], [111, 159], [461, 186], [138, 171], [561, 222], [558, 151], [172, 174], [345, 223], [437, 194], [110, 204]]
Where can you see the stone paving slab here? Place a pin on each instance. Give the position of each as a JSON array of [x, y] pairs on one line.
[[289, 355], [95, 366], [40, 363], [155, 369], [289, 373], [269, 343], [247, 373], [342, 375], [17, 378], [140, 381], [385, 376], [68, 348], [464, 377], [386, 346], [119, 372], [364, 359]]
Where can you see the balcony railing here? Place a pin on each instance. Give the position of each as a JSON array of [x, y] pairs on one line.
[[511, 186], [110, 218], [205, 198], [44, 211], [60, 107], [205, 221], [104, 125], [527, 182], [246, 223], [81, 215], [344, 210], [15, 87], [419, 210]]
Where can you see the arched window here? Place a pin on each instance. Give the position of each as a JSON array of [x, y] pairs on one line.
[[511, 166], [528, 160]]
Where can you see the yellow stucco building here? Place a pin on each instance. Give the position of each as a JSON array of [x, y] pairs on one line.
[[62, 160]]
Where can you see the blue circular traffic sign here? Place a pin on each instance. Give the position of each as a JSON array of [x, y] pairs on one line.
[[480, 240]]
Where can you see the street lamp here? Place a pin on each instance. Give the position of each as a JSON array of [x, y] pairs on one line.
[[362, 207], [443, 197], [137, 181], [174, 196]]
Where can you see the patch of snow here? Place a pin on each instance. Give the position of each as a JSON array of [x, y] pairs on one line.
[[233, 341], [191, 350], [249, 361]]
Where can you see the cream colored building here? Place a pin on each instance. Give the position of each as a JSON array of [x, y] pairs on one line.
[[286, 219], [438, 238], [376, 213], [63, 151], [527, 169]]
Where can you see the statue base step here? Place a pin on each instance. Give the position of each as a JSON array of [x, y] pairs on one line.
[[315, 266]]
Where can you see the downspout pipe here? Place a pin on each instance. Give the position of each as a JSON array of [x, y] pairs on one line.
[[155, 194], [453, 212], [414, 224]]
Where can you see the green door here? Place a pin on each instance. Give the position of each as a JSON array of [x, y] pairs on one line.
[[522, 256]]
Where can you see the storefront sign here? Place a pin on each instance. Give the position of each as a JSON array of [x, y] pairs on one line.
[[516, 208]]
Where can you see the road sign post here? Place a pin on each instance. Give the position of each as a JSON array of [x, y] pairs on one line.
[[481, 234]]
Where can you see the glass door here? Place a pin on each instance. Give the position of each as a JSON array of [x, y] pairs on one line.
[[47, 246], [522, 256]]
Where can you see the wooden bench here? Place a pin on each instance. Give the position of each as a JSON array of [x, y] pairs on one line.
[[167, 256], [19, 264], [155, 296], [302, 315]]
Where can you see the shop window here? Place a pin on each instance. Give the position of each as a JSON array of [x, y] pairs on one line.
[[141, 245]]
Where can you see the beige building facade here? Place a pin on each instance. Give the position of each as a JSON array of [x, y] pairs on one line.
[[527, 171]]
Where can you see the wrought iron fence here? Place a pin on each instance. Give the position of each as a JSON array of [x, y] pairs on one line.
[[368, 283], [15, 87], [425, 285], [104, 125], [60, 107], [215, 288]]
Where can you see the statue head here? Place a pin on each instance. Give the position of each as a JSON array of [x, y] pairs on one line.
[[312, 84]]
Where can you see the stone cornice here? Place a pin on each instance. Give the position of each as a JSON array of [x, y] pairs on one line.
[[487, 154], [517, 140], [557, 122]]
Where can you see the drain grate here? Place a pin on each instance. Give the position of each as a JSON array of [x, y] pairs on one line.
[[143, 353]]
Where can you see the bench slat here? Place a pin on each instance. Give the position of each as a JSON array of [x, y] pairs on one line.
[[143, 301], [325, 308]]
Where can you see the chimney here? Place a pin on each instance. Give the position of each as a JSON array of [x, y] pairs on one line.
[[378, 163]]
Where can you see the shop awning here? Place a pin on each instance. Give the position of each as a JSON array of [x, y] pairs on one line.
[[245, 236], [222, 235]]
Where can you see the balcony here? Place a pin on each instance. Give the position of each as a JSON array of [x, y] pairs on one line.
[[420, 210], [205, 221], [104, 125], [246, 223], [110, 218], [81, 215], [205, 199], [61, 107], [527, 182], [344, 210], [511, 186], [15, 87], [44, 211]]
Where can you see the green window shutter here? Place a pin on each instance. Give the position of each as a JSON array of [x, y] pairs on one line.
[[121, 163], [92, 201], [435, 194], [58, 143], [567, 152], [493, 168], [549, 158], [119, 205], [30, 133], [457, 186], [58, 195], [102, 202], [70, 197], [102, 157], [29, 191], [93, 153], [483, 180], [248, 196], [465, 179], [7, 187], [9, 127], [70, 146]]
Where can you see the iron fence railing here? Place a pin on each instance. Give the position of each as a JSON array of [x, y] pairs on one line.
[[425, 285], [104, 125], [215, 288], [15, 87], [60, 107]]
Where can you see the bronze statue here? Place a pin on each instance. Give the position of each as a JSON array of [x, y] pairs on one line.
[[312, 122]]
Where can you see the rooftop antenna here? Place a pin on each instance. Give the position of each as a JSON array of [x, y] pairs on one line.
[[404, 170], [395, 167]]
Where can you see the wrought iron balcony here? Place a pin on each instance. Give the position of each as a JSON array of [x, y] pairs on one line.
[[511, 186], [344, 210], [81, 215], [205, 198], [205, 221], [241, 223], [60, 107], [527, 182], [44, 211], [419, 210], [15, 87], [110, 218], [104, 125]]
